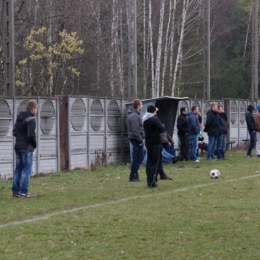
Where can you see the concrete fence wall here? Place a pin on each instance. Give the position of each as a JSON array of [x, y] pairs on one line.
[[81, 131]]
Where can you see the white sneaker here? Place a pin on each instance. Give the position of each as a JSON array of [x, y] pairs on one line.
[[197, 161]]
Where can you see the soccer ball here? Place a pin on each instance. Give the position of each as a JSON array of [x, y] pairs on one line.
[[214, 174]]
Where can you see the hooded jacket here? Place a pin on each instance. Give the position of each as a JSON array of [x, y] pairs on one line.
[[25, 132], [135, 128], [250, 120], [212, 125], [152, 128]]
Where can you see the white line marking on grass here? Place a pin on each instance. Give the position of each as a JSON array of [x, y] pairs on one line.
[[47, 216]]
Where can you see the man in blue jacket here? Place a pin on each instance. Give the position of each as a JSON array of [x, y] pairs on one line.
[[194, 130]]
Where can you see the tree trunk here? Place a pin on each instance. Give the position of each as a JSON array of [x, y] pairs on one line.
[[112, 44], [166, 50], [172, 41], [184, 13], [159, 50], [144, 46], [151, 48]]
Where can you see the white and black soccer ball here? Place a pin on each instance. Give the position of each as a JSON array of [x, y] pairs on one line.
[[214, 174]]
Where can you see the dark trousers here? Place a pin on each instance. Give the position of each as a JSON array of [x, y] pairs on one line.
[[252, 142], [184, 148], [137, 158], [154, 162]]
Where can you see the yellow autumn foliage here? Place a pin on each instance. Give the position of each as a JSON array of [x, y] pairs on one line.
[[58, 53]]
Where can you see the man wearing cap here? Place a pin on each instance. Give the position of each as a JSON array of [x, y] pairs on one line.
[[135, 135], [152, 128], [252, 128]]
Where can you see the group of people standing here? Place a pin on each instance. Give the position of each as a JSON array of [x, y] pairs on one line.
[[189, 125], [253, 127], [148, 128]]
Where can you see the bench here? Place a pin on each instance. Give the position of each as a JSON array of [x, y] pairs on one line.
[[231, 145], [245, 141]]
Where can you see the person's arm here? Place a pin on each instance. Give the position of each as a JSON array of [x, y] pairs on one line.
[[159, 125], [208, 123], [169, 139], [31, 133], [249, 118], [135, 129]]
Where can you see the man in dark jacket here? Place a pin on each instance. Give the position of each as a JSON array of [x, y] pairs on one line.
[[212, 127], [24, 131], [252, 128], [221, 141], [194, 130], [135, 135], [152, 128], [183, 127]]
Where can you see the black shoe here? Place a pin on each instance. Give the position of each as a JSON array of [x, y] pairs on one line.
[[165, 177], [153, 186], [175, 159], [134, 180]]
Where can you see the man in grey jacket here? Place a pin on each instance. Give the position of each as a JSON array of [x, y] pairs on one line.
[[135, 135]]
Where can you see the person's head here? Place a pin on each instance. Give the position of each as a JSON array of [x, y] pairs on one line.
[[195, 110], [152, 109], [32, 107], [214, 106], [220, 109], [137, 104], [184, 110], [250, 108]]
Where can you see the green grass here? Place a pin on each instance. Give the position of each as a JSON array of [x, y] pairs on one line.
[[101, 215]]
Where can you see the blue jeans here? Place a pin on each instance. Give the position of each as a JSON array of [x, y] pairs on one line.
[[193, 147], [23, 169], [137, 158], [169, 148], [252, 142], [211, 146]]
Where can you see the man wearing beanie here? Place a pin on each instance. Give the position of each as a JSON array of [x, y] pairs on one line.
[[152, 128], [251, 126], [257, 120]]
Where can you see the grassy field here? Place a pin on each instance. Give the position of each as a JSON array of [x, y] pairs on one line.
[[101, 215]]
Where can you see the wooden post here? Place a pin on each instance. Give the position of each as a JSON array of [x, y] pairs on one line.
[[255, 51], [206, 60], [8, 48]]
